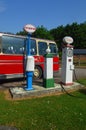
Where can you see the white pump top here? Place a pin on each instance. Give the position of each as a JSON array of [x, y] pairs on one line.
[[68, 40]]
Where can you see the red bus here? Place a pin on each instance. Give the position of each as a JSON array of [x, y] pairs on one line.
[[13, 55]]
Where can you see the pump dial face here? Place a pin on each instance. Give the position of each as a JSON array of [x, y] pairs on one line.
[[69, 52]]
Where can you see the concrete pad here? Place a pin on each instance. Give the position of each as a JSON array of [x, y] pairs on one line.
[[39, 90]]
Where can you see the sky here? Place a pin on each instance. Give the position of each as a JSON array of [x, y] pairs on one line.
[[15, 14]]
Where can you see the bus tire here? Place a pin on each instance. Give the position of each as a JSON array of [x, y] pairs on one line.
[[38, 72]]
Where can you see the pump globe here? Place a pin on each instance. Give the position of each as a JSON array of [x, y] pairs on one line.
[[68, 40], [48, 50]]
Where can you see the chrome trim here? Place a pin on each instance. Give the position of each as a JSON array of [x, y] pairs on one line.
[[9, 76]]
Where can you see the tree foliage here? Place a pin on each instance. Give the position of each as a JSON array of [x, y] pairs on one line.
[[23, 33], [41, 32], [75, 30]]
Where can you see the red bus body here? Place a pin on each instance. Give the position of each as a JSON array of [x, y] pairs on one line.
[[39, 60], [12, 65]]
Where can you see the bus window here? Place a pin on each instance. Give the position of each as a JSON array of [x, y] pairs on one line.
[[12, 45], [42, 46], [33, 47], [53, 48], [0, 44]]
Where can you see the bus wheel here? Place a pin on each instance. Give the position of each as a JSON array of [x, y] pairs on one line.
[[37, 72]]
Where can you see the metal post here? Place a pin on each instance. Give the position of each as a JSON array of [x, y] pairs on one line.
[[28, 45], [29, 73]]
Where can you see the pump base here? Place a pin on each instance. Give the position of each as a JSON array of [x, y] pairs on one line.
[[48, 83], [66, 84], [29, 89]]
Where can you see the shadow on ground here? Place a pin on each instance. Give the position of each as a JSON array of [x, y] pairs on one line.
[[83, 91], [19, 82]]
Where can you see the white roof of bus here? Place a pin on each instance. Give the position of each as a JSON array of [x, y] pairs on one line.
[[12, 35], [20, 36]]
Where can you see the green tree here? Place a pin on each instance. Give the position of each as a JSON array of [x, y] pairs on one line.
[[75, 30], [23, 33], [43, 33], [58, 34]]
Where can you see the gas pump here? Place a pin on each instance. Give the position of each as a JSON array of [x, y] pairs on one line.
[[48, 80], [67, 61], [30, 59]]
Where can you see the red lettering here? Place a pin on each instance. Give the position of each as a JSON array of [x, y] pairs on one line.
[[30, 28]]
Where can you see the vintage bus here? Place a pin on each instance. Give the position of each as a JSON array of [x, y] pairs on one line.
[[13, 55]]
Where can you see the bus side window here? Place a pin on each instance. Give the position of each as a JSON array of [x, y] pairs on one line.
[[19, 45], [7, 45], [0, 45], [10, 50], [33, 48], [12, 45], [21, 50], [42, 47]]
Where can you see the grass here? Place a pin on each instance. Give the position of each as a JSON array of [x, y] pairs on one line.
[[61, 112], [82, 81]]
